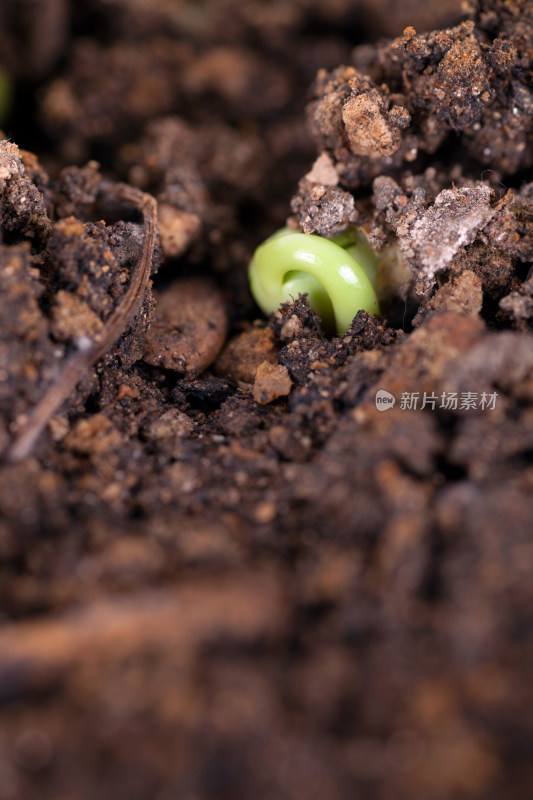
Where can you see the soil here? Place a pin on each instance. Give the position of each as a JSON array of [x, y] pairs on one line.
[[230, 565]]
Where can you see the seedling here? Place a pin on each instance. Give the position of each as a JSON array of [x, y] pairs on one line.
[[338, 275]]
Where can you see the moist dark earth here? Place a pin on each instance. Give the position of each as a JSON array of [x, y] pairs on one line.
[[225, 573]]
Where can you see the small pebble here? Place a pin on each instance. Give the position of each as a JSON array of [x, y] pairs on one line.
[[271, 381], [189, 327], [323, 171], [244, 353]]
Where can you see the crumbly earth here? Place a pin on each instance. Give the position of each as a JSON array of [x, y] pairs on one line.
[[230, 567]]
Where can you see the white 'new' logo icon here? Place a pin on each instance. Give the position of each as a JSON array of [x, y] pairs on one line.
[[384, 400]]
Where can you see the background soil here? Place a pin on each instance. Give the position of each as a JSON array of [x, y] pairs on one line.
[[224, 573]]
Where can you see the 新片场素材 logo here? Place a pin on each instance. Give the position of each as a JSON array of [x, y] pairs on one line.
[[472, 402], [384, 400]]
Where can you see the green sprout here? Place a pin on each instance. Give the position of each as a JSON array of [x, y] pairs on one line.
[[338, 275], [5, 95]]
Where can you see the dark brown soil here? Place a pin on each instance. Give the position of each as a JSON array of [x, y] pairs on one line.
[[225, 571]]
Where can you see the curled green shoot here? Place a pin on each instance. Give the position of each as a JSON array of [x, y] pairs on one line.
[[338, 275]]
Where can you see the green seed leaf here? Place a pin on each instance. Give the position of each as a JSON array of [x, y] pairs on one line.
[[338, 281]]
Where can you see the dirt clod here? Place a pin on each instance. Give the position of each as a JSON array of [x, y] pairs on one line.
[[189, 327], [177, 229]]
